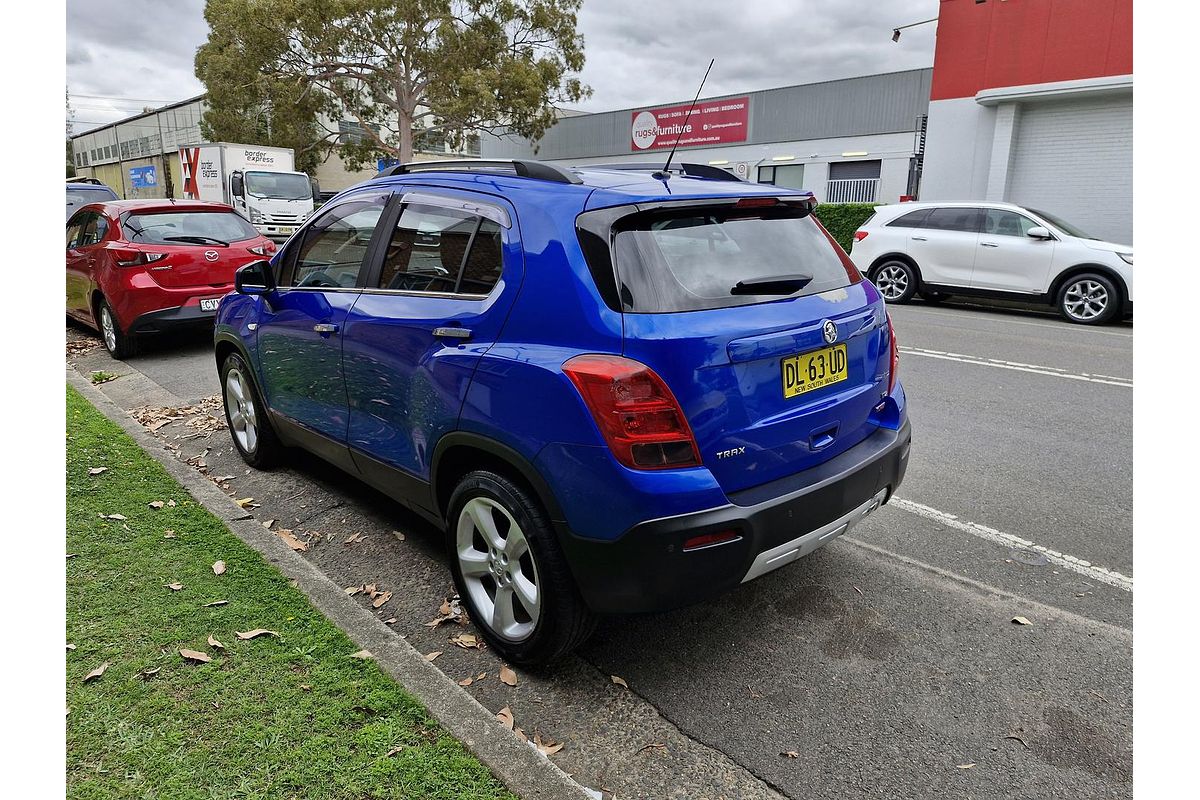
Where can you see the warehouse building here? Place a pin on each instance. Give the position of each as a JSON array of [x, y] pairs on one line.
[[852, 140], [1032, 103]]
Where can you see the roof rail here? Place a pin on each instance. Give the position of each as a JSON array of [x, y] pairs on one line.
[[689, 170], [523, 168]]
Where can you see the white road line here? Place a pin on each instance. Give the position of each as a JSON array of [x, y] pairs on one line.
[[1018, 366], [1085, 568]]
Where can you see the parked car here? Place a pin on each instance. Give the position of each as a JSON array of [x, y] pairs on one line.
[[615, 391], [994, 250], [136, 267], [81, 191]]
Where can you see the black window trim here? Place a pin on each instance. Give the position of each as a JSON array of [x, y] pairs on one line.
[[979, 214], [925, 212]]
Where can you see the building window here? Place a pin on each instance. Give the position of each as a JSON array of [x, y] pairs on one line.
[[789, 175], [353, 133], [853, 182]]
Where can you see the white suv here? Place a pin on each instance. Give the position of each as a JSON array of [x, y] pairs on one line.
[[994, 250]]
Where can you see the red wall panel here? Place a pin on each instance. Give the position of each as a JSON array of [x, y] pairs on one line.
[[1016, 42]]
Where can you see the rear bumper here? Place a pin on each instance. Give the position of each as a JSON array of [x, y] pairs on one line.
[[647, 570], [166, 319]]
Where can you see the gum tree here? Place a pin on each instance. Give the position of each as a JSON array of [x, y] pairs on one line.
[[397, 69]]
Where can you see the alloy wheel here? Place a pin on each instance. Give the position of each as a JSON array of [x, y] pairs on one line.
[[498, 569], [243, 417], [1085, 300], [892, 281], [108, 328]]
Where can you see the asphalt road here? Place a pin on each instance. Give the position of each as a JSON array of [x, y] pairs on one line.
[[886, 664]]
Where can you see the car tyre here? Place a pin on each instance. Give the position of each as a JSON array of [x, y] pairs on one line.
[[896, 280], [246, 416], [119, 344], [1089, 299], [511, 573]]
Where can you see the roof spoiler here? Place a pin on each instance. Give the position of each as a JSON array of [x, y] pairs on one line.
[[688, 170], [523, 168]]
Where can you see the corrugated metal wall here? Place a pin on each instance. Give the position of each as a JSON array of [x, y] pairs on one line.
[[887, 103]]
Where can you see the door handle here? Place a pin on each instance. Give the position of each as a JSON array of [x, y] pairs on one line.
[[919, 239], [325, 327], [452, 332], [988, 244]]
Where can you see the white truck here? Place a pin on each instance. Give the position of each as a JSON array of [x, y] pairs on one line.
[[259, 182]]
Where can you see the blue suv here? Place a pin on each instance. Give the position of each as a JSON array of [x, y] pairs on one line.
[[618, 389]]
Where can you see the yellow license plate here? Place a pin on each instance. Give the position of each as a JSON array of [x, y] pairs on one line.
[[809, 371]]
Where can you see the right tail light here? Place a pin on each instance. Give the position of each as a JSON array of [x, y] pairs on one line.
[[894, 354]]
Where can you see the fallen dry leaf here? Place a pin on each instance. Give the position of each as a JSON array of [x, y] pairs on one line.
[[254, 634], [362, 654], [433, 655], [115, 516], [508, 676], [652, 745], [195, 655], [216, 603], [212, 642], [156, 504], [395, 750], [505, 716], [1021, 621], [398, 535], [306, 687], [391, 621], [369, 589], [147, 674], [218, 568], [619, 681], [244, 502], [520, 734], [466, 681], [169, 534], [174, 587], [966, 766], [290, 540], [358, 537], [353, 590], [381, 598], [481, 676], [171, 503], [97, 470], [547, 747], [96, 673], [790, 754], [70, 646], [466, 641], [268, 523]]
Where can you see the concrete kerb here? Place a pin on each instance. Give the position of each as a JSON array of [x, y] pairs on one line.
[[524, 770]]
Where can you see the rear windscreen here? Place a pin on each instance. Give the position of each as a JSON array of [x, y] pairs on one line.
[[168, 227], [691, 261]]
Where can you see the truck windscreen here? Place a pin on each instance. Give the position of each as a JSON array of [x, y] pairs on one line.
[[279, 185]]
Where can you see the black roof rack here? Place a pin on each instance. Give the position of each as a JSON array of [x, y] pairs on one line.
[[522, 167], [690, 170]]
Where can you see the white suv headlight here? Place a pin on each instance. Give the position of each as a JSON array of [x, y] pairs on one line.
[[1127, 258]]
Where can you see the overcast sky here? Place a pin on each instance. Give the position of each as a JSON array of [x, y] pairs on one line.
[[124, 55]]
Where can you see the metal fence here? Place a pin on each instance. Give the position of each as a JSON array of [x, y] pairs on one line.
[[851, 190]]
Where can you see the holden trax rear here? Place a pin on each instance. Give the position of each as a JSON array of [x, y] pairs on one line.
[[615, 389]]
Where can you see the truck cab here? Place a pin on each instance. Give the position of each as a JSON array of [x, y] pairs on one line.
[[275, 203]]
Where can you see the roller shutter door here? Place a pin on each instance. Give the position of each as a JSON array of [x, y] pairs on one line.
[[1075, 159]]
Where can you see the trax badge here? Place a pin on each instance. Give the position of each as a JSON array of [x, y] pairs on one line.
[[737, 451], [830, 331]]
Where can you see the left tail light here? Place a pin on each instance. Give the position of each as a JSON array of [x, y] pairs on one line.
[[894, 355], [640, 419], [136, 258], [267, 248], [860, 235]]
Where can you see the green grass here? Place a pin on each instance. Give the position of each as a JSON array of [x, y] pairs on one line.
[[293, 716]]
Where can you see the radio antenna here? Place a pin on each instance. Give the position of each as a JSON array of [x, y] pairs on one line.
[[664, 173]]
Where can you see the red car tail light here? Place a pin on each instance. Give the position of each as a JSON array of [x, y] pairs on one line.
[[267, 248], [860, 235], [136, 258], [637, 414], [894, 355]]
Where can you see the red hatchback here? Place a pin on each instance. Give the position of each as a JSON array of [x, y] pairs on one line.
[[144, 266]]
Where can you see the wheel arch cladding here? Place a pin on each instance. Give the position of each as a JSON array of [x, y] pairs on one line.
[[1083, 269], [461, 453]]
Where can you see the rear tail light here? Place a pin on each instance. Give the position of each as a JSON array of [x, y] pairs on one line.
[[265, 249], [894, 355], [136, 258], [860, 235], [636, 413]]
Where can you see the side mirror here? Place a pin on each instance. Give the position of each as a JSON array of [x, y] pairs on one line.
[[257, 277], [1038, 232], [237, 185], [316, 191]]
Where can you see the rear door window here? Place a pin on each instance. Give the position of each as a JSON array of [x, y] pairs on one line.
[[691, 260], [187, 227], [966, 220]]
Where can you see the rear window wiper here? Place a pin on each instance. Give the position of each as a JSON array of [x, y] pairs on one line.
[[774, 284], [196, 240]]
